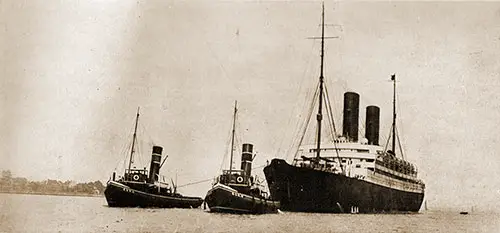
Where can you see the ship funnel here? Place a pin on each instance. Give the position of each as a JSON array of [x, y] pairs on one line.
[[246, 159], [372, 124], [154, 170], [351, 116]]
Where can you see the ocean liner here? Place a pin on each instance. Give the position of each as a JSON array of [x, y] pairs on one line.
[[236, 190], [137, 188], [347, 175]]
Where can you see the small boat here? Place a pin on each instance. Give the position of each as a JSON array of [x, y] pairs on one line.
[[467, 212], [142, 188], [237, 191]]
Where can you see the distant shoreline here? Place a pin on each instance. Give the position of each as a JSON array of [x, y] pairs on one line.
[[53, 194]]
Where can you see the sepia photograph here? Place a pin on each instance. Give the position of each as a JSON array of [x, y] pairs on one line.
[[249, 116]]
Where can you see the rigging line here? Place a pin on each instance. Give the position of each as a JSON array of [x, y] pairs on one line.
[[145, 132], [192, 183], [311, 109], [300, 124], [301, 127], [399, 143], [309, 92], [228, 144], [388, 139], [401, 126], [128, 145], [362, 129], [238, 137], [330, 115], [123, 152], [328, 82], [307, 108], [260, 166], [139, 152], [331, 112], [299, 87], [335, 131]]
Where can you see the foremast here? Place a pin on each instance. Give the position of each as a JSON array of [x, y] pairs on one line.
[[134, 138], [232, 137], [319, 116], [394, 131], [393, 79]]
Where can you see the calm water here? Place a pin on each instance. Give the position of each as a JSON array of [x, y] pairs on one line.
[[32, 213]]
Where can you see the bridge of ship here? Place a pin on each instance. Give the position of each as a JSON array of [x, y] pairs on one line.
[[238, 180], [235, 177]]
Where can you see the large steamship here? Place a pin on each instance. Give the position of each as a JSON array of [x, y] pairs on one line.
[[347, 175]]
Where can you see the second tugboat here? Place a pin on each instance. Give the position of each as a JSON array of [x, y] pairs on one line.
[[237, 191], [137, 188]]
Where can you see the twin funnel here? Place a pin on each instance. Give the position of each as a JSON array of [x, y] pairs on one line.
[[351, 118]]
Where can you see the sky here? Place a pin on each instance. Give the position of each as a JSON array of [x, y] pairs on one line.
[[74, 74]]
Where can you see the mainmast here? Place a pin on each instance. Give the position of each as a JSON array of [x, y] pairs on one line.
[[133, 140], [319, 117], [393, 79], [232, 138]]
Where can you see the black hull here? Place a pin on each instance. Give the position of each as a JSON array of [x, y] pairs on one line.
[[307, 190], [120, 195], [226, 200]]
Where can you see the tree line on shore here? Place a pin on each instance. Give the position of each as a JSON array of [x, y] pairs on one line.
[[11, 184]]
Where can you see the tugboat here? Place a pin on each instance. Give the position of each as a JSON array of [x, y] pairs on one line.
[[346, 175], [237, 191], [137, 188]]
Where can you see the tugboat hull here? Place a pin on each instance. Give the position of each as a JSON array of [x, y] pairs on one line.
[[222, 198], [120, 195], [308, 190]]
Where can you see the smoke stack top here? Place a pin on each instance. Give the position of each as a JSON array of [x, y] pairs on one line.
[[246, 158], [351, 116], [154, 169], [372, 124]]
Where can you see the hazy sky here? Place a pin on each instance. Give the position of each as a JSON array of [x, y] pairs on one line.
[[73, 75]]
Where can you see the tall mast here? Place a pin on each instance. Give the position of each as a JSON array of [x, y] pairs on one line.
[[232, 138], [393, 79], [133, 140], [319, 117]]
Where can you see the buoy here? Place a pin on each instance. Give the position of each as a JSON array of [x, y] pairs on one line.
[[239, 179]]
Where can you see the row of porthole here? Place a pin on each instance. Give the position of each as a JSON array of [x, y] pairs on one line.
[[237, 194], [128, 190]]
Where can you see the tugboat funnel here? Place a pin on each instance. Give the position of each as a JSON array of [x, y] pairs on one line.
[[246, 159], [154, 169]]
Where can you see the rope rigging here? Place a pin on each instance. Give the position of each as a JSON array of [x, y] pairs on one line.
[[125, 148], [210, 179], [334, 133], [306, 123], [299, 88]]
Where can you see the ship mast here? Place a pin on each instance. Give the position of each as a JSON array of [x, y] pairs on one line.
[[319, 117], [133, 140], [232, 138], [393, 79]]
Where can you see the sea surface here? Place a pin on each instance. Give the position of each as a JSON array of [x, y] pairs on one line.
[[39, 213]]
